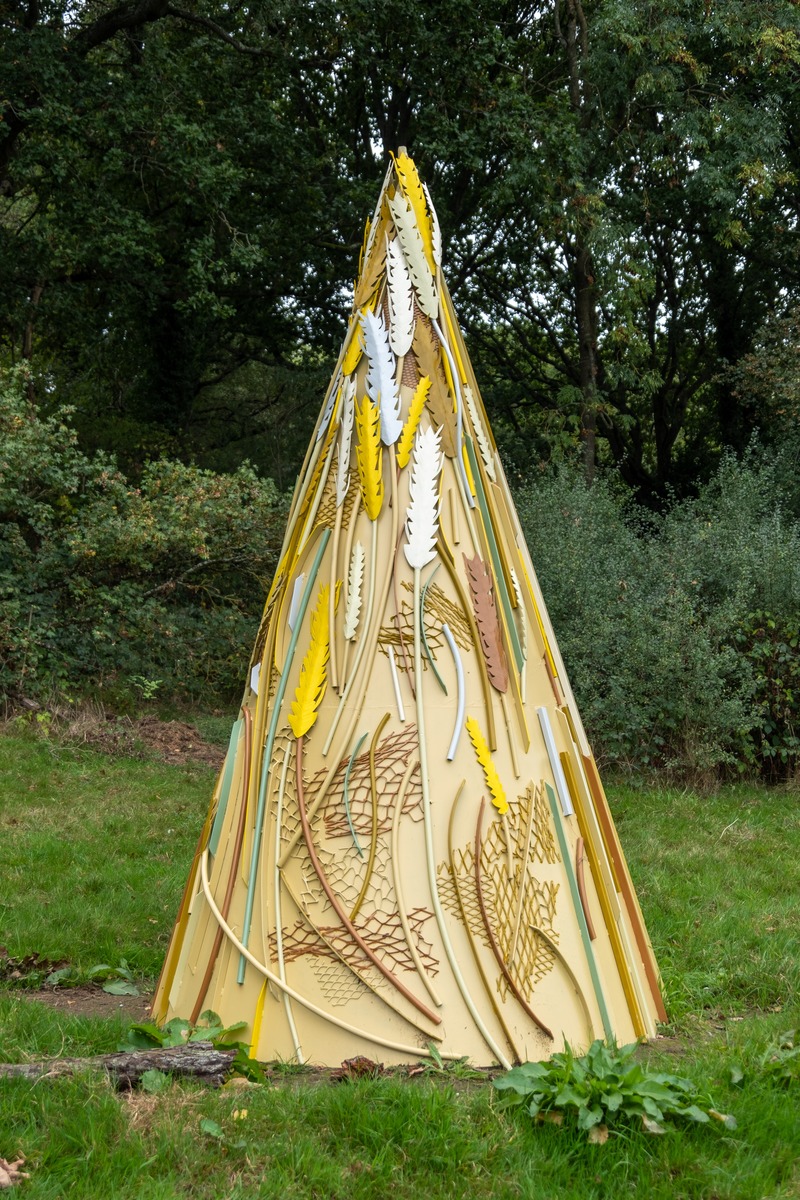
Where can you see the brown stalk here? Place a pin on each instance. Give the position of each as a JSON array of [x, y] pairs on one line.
[[490, 992], [427, 352], [580, 859]]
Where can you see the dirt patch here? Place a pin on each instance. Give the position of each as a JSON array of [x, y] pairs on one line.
[[87, 724], [91, 1002], [177, 742]]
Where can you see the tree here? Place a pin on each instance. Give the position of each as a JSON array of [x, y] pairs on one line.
[[184, 190]]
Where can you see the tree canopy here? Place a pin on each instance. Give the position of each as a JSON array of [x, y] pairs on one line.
[[183, 190]]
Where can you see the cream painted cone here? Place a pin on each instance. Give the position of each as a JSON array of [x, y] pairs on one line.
[[418, 851]]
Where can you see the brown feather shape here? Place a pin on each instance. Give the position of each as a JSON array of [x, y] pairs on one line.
[[482, 593], [428, 354], [372, 271]]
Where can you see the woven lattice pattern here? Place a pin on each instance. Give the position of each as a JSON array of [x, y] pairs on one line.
[[542, 839], [392, 757], [326, 513], [337, 982], [383, 935], [517, 903], [440, 610], [346, 874]]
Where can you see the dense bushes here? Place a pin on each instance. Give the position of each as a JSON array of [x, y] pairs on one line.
[[116, 589], [680, 632]]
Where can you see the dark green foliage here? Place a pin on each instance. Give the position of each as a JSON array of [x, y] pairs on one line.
[[653, 617], [119, 589], [183, 190], [771, 647]]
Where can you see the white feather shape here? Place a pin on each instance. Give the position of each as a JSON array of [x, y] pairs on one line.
[[522, 627], [326, 416], [345, 439], [435, 230], [401, 299], [355, 580], [410, 239], [381, 385], [480, 434], [422, 518]]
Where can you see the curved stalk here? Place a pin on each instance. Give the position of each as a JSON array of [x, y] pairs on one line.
[[366, 621], [373, 844], [491, 992], [234, 871], [398, 889], [336, 906], [459, 725], [355, 712], [428, 654], [346, 794], [267, 755], [466, 607], [380, 994], [271, 977], [348, 550], [401, 712], [337, 528]]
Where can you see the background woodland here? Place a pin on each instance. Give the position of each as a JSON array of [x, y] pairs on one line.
[[182, 199]]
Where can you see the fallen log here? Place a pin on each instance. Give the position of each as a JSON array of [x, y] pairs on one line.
[[200, 1060]]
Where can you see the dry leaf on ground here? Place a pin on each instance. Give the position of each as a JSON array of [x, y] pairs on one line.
[[10, 1172]]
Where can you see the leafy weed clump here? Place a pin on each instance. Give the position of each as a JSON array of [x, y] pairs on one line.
[[603, 1088], [146, 1035], [781, 1060]]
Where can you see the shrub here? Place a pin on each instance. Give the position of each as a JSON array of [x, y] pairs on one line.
[[103, 582], [770, 645], [652, 614]]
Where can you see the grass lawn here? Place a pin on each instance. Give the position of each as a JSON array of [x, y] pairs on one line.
[[93, 856]]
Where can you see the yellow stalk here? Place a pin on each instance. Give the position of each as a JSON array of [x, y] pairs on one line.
[[355, 348]]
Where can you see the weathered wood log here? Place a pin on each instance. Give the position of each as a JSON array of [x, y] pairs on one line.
[[200, 1060]]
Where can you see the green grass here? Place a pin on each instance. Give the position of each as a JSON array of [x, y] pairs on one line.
[[93, 856], [93, 852], [718, 878], [377, 1139]]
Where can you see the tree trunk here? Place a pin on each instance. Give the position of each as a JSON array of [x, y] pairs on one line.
[[574, 39]]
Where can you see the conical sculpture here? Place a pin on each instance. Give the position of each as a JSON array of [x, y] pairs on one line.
[[409, 844]]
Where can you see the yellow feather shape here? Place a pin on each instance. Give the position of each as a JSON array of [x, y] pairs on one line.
[[485, 759], [354, 350], [412, 190], [313, 681], [369, 456], [406, 442]]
